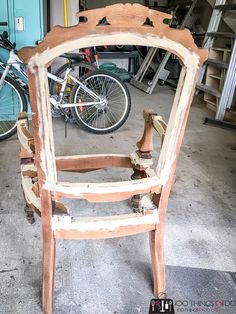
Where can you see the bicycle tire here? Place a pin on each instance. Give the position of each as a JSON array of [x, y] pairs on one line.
[[12, 95], [96, 118], [82, 69]]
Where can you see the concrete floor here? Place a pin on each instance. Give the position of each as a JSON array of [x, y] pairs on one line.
[[114, 275]]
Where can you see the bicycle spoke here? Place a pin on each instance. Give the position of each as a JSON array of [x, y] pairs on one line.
[[111, 111]]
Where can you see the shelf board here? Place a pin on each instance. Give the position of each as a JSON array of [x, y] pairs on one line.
[[210, 101], [221, 34], [211, 106], [218, 63], [226, 7], [209, 90], [218, 77], [221, 49]]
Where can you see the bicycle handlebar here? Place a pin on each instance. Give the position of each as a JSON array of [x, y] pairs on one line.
[[4, 42]]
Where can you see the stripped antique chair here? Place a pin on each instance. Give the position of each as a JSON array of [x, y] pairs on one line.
[[149, 188]]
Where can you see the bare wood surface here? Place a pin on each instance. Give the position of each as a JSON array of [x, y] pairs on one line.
[[26, 53], [73, 163], [46, 203], [29, 194], [25, 155], [125, 24], [29, 170], [74, 234], [139, 162], [105, 192], [118, 17], [103, 227], [25, 137], [160, 126], [151, 120], [146, 142]]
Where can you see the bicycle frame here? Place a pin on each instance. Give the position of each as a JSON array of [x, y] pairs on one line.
[[63, 82], [22, 79], [18, 65]]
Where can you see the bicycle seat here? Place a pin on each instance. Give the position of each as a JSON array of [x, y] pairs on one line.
[[73, 56]]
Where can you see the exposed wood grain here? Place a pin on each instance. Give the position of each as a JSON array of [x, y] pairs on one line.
[[141, 161], [105, 192], [119, 18], [26, 53], [30, 196], [74, 234], [146, 142], [24, 136], [103, 227], [42, 136], [25, 155], [160, 126], [92, 162], [125, 24], [29, 170]]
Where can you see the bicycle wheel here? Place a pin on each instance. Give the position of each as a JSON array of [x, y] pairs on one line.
[[105, 117], [12, 101], [78, 70]]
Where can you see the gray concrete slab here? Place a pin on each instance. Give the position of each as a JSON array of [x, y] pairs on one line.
[[114, 275]]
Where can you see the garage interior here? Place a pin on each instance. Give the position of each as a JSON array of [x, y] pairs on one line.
[[114, 275]]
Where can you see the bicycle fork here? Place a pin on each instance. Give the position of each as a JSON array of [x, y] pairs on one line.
[[4, 74]]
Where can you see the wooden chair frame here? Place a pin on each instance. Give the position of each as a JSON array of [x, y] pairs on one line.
[[126, 25]]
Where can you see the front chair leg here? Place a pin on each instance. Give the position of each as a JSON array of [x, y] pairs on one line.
[[156, 241]]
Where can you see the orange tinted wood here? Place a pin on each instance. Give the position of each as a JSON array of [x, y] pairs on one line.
[[120, 232], [121, 18], [73, 163], [103, 227]]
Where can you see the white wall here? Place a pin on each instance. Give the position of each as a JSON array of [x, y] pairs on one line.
[[91, 4], [57, 15]]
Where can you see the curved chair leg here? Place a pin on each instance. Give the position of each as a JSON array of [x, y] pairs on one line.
[[48, 271], [156, 241]]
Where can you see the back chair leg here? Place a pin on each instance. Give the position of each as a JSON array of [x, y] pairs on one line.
[[156, 241], [48, 271]]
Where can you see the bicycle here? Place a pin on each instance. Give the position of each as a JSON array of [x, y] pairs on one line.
[[83, 62], [98, 101]]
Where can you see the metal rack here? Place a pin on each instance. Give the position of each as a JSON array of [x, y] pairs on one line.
[[226, 95], [161, 72]]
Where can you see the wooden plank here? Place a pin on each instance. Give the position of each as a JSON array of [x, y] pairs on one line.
[[103, 227], [105, 192], [92, 162]]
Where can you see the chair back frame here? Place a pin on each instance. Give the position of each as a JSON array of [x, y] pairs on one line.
[[125, 24]]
